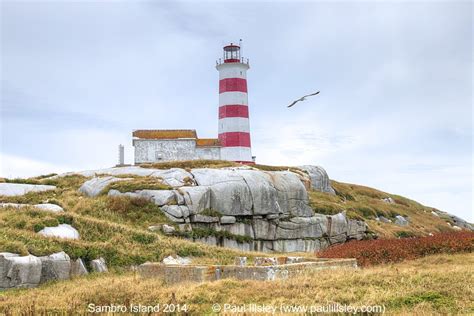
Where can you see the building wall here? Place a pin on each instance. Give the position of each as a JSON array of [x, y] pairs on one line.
[[156, 150], [212, 153]]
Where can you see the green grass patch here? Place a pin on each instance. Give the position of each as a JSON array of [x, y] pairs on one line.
[[135, 184], [211, 212], [436, 299], [191, 164]]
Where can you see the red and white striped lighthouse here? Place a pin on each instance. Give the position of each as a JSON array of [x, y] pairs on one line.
[[234, 127]]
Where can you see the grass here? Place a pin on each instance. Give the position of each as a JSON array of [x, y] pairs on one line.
[[366, 204], [191, 164], [211, 212], [421, 286], [112, 227], [137, 183]]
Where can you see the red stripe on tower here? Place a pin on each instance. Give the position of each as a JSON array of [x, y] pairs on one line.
[[232, 84], [233, 110], [235, 139]]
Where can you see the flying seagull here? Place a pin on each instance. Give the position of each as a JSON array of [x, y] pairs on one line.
[[302, 99]]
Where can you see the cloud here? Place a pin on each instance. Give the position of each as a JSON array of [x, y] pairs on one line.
[[21, 167], [395, 109]]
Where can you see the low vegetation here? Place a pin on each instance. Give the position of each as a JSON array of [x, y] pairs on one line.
[[191, 164], [137, 183], [367, 204], [372, 252], [112, 227], [430, 285]]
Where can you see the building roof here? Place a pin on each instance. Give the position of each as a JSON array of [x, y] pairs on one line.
[[164, 133], [207, 142]]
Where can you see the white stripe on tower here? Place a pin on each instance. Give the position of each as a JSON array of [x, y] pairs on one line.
[[234, 127]]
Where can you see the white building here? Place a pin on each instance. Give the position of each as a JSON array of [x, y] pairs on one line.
[[166, 145]]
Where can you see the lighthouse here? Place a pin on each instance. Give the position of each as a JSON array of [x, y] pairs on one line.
[[234, 127]]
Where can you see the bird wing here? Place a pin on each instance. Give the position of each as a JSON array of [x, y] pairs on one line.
[[293, 103], [309, 95]]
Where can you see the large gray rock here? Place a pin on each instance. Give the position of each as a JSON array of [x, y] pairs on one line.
[[457, 220], [338, 226], [178, 211], [239, 228], [264, 229], [401, 221], [230, 194], [19, 272], [15, 189], [168, 229], [158, 197], [61, 231], [197, 198], [56, 266], [78, 268], [94, 186], [199, 218], [177, 261], [462, 223], [43, 206], [356, 229], [383, 219], [319, 178], [99, 265], [263, 193], [296, 245], [228, 220], [174, 177], [301, 227], [291, 194]]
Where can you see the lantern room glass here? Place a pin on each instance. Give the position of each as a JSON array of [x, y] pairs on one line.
[[232, 52]]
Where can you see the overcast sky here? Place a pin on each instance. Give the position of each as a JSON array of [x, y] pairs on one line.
[[395, 109]]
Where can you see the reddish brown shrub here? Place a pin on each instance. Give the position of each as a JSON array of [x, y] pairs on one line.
[[371, 252]]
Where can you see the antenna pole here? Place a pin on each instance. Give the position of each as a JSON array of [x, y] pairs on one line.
[[240, 44]]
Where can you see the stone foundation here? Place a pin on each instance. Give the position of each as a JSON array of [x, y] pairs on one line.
[[202, 273]]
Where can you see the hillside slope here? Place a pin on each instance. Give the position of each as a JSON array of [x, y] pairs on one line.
[[116, 227]]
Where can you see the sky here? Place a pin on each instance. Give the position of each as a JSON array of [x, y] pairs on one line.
[[394, 112]]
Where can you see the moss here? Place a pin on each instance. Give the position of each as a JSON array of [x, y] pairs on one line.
[[198, 233], [211, 212], [132, 185]]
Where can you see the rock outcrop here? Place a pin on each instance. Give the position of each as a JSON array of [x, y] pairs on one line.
[[55, 267], [60, 231], [99, 265], [319, 179], [246, 208], [19, 272], [174, 177], [14, 189], [43, 206], [94, 186], [457, 221], [30, 271]]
